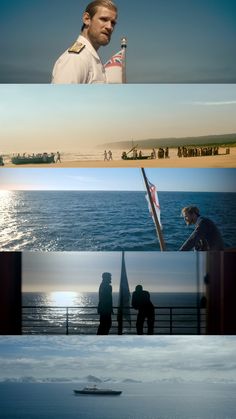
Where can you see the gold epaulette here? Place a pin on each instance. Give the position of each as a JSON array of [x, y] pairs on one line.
[[76, 48]]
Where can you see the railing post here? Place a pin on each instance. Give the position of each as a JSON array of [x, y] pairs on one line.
[[170, 320], [67, 320], [198, 320], [120, 322]]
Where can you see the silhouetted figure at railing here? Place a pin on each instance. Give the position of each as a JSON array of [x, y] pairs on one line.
[[141, 302], [105, 305]]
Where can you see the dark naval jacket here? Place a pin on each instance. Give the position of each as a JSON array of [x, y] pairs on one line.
[[205, 236]]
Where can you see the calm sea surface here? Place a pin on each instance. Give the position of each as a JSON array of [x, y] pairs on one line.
[[138, 401], [105, 221], [91, 299], [45, 313]]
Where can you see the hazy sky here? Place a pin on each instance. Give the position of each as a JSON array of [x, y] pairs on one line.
[[36, 118], [190, 358], [211, 180], [168, 40], [82, 271]]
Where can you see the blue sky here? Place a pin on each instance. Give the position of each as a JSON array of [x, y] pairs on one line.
[[205, 180], [168, 40], [165, 272], [188, 358], [80, 118]]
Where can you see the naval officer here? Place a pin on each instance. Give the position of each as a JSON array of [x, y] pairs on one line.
[[81, 62], [105, 304], [205, 236]]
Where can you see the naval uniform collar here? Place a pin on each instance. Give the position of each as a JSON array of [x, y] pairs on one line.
[[198, 220], [88, 44]]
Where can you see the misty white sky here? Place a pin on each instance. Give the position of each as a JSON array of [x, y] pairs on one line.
[[82, 271], [74, 118], [190, 358]]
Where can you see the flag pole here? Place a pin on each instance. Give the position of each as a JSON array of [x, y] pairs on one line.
[[123, 47], [121, 304], [123, 313], [157, 224]]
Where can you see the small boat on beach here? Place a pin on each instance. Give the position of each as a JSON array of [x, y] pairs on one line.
[[33, 159], [98, 391], [135, 154], [125, 157]]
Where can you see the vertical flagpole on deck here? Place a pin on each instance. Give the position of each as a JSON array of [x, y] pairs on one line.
[[123, 47], [124, 298], [157, 224], [121, 302]]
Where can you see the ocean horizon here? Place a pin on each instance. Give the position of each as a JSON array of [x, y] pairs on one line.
[[105, 220], [52, 298], [56, 313]]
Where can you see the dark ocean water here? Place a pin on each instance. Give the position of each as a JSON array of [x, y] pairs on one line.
[[138, 401], [105, 221], [91, 299], [46, 313]]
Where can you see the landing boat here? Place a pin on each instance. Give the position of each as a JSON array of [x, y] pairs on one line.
[[98, 391], [33, 159]]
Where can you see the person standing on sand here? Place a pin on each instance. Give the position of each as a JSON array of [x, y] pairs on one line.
[[154, 153], [58, 157], [105, 155]]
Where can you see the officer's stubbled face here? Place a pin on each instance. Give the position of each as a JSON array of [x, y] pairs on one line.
[[100, 26], [188, 218]]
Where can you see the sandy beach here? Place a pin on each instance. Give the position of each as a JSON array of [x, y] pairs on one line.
[[219, 161]]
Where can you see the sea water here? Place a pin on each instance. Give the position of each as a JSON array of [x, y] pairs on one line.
[[166, 299], [160, 400], [105, 221], [42, 314]]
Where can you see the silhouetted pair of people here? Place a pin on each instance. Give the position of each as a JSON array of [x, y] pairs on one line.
[[141, 301], [105, 304]]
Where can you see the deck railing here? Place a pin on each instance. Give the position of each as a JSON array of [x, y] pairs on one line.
[[85, 320]]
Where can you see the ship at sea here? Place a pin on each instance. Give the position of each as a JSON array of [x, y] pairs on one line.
[[98, 391]]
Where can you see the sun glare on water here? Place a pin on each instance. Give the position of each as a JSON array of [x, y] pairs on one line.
[[7, 204], [5, 196], [4, 192], [63, 298]]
